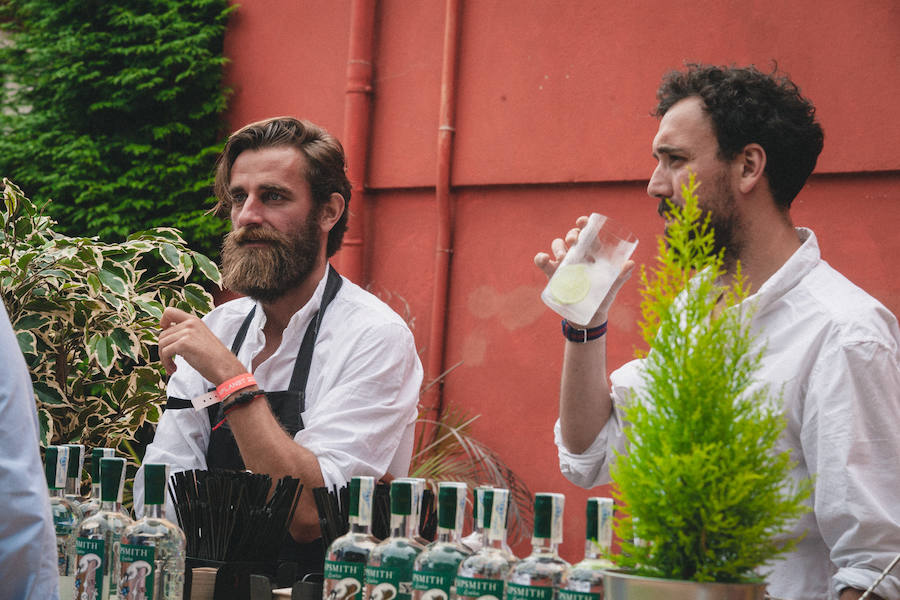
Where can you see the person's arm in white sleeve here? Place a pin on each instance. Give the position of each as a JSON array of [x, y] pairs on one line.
[[850, 437], [27, 539], [366, 414], [585, 401]]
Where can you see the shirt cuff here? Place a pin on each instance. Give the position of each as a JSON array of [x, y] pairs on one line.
[[589, 468], [861, 579]]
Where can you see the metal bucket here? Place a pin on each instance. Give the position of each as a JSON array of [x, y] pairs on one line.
[[622, 586]]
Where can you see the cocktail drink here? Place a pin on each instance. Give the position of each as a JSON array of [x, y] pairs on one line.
[[588, 270]]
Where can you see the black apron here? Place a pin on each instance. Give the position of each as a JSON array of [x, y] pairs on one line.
[[286, 406]]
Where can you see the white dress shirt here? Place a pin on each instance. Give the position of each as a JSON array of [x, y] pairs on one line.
[[361, 396], [834, 351], [28, 569]]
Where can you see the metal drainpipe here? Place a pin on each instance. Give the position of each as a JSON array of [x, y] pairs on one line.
[[444, 249], [357, 125]]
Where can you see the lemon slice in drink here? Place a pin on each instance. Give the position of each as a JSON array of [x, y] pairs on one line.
[[570, 284]]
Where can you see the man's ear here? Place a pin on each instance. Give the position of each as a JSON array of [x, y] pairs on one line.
[[751, 166], [331, 211]]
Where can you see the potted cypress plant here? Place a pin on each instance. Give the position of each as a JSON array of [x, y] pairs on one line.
[[703, 490]]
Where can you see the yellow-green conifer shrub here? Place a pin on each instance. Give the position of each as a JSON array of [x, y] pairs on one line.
[[702, 485]]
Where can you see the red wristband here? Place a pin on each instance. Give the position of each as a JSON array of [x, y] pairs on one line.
[[235, 384]]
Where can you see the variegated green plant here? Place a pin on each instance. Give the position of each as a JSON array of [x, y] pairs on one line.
[[86, 314]]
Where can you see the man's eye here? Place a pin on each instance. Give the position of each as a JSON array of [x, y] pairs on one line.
[[238, 199], [273, 196]]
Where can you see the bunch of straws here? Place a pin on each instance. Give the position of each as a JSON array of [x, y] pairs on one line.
[[334, 512], [233, 516]]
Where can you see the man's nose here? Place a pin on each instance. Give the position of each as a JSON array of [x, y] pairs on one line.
[[659, 185], [249, 212]]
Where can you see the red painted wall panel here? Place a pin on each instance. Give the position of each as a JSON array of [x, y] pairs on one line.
[[553, 122]]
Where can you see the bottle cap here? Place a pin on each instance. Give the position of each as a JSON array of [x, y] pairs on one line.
[[112, 479], [76, 460], [56, 466], [155, 478], [599, 521], [496, 507], [548, 514], [362, 489], [451, 505], [402, 497], [96, 455]]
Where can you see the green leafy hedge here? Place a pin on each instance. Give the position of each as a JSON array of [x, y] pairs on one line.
[[114, 110]]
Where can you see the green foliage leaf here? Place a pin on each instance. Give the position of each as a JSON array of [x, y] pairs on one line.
[[27, 342]]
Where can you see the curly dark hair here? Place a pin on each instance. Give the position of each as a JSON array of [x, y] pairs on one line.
[[326, 170], [747, 106]]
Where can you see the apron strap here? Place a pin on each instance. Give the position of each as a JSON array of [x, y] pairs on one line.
[[304, 356]]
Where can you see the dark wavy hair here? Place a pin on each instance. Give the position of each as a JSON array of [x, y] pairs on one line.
[[747, 106], [326, 169]]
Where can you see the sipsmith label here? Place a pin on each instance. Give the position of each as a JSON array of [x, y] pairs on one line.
[[136, 571], [89, 568], [515, 591], [479, 589], [389, 583], [573, 595], [432, 585], [343, 580]]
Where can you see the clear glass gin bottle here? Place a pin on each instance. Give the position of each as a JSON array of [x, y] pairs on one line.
[[483, 574], [390, 565], [539, 575], [345, 561], [66, 515], [584, 580], [435, 568], [92, 505], [97, 537], [150, 561]]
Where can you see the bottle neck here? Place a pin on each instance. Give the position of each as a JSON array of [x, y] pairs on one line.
[[498, 542], [95, 492], [403, 526], [541, 545], [72, 487], [57, 493], [448, 535], [154, 511], [592, 549], [110, 506], [360, 528]]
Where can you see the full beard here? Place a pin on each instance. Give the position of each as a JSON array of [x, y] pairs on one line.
[[266, 273], [720, 207]]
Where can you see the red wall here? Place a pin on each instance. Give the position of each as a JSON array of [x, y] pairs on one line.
[[553, 121]]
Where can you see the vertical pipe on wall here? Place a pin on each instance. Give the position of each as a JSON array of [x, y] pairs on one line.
[[444, 249], [357, 125]]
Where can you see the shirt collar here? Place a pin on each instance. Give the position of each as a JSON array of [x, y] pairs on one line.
[[801, 262]]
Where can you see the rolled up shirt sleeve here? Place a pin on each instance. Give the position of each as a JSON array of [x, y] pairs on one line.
[[591, 467]]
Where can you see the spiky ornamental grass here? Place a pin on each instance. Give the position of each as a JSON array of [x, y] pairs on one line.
[[701, 484]]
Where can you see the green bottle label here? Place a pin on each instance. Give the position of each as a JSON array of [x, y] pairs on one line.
[[573, 595], [515, 591], [89, 568], [435, 583], [479, 589], [136, 571], [388, 583], [343, 580]]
